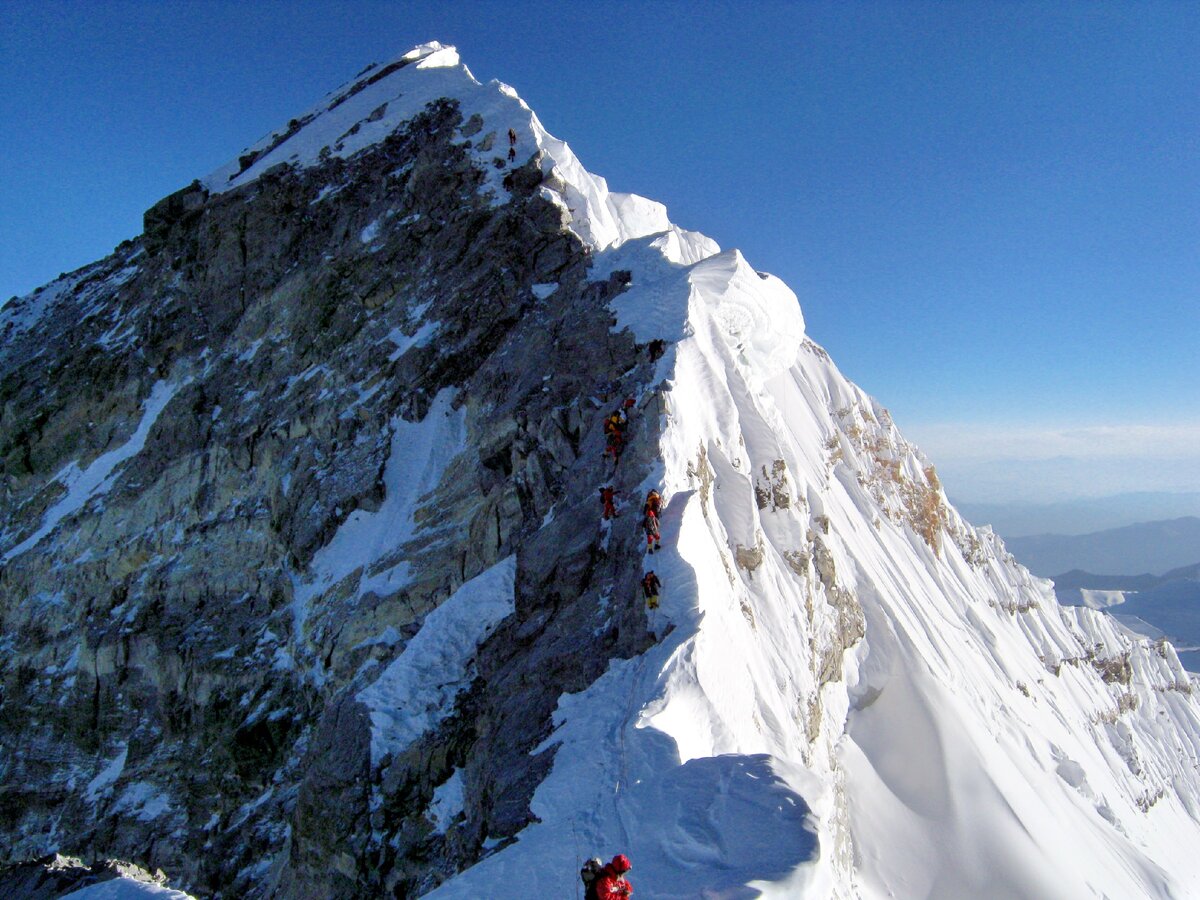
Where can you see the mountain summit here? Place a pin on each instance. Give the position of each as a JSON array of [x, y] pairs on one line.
[[306, 589]]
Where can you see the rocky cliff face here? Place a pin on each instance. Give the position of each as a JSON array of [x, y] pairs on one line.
[[305, 591], [186, 425]]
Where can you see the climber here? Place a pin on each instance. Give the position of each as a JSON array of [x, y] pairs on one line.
[[650, 587], [588, 874], [614, 445], [512, 138], [614, 428], [650, 526], [653, 502], [610, 883], [607, 495], [512, 153], [629, 403]]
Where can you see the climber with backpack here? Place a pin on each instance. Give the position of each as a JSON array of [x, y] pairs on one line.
[[614, 428], [650, 526], [653, 502], [650, 587], [608, 497], [610, 883], [614, 445], [588, 874]]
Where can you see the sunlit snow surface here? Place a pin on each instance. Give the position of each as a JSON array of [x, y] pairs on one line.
[[126, 889]]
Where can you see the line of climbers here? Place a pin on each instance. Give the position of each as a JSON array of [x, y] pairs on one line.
[[650, 588], [651, 584], [650, 511], [602, 882]]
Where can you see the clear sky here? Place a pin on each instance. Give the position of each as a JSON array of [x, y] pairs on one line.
[[990, 211]]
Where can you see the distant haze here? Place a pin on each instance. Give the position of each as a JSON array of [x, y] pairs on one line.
[[1079, 516], [1065, 478], [1153, 547]]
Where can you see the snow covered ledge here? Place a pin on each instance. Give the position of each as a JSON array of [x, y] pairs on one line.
[[758, 315]]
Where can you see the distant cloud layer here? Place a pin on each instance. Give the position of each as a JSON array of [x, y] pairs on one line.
[[995, 463]]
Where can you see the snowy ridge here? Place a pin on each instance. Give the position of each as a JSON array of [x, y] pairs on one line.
[[126, 888], [92, 283], [383, 98], [857, 693]]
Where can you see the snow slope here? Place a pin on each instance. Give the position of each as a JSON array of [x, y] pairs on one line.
[[855, 692], [418, 689], [125, 888], [1170, 609]]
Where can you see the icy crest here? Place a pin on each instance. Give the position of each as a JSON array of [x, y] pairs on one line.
[[383, 97], [758, 314]]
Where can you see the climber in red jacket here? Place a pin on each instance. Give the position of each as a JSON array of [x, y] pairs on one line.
[[610, 883], [608, 497]]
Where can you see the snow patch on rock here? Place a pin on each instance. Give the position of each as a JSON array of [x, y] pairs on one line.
[[420, 451], [418, 689], [108, 775], [95, 480], [448, 802]]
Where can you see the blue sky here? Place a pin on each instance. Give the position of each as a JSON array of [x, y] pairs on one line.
[[990, 211]]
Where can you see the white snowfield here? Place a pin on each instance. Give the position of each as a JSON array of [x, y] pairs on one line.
[[978, 741], [126, 888]]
